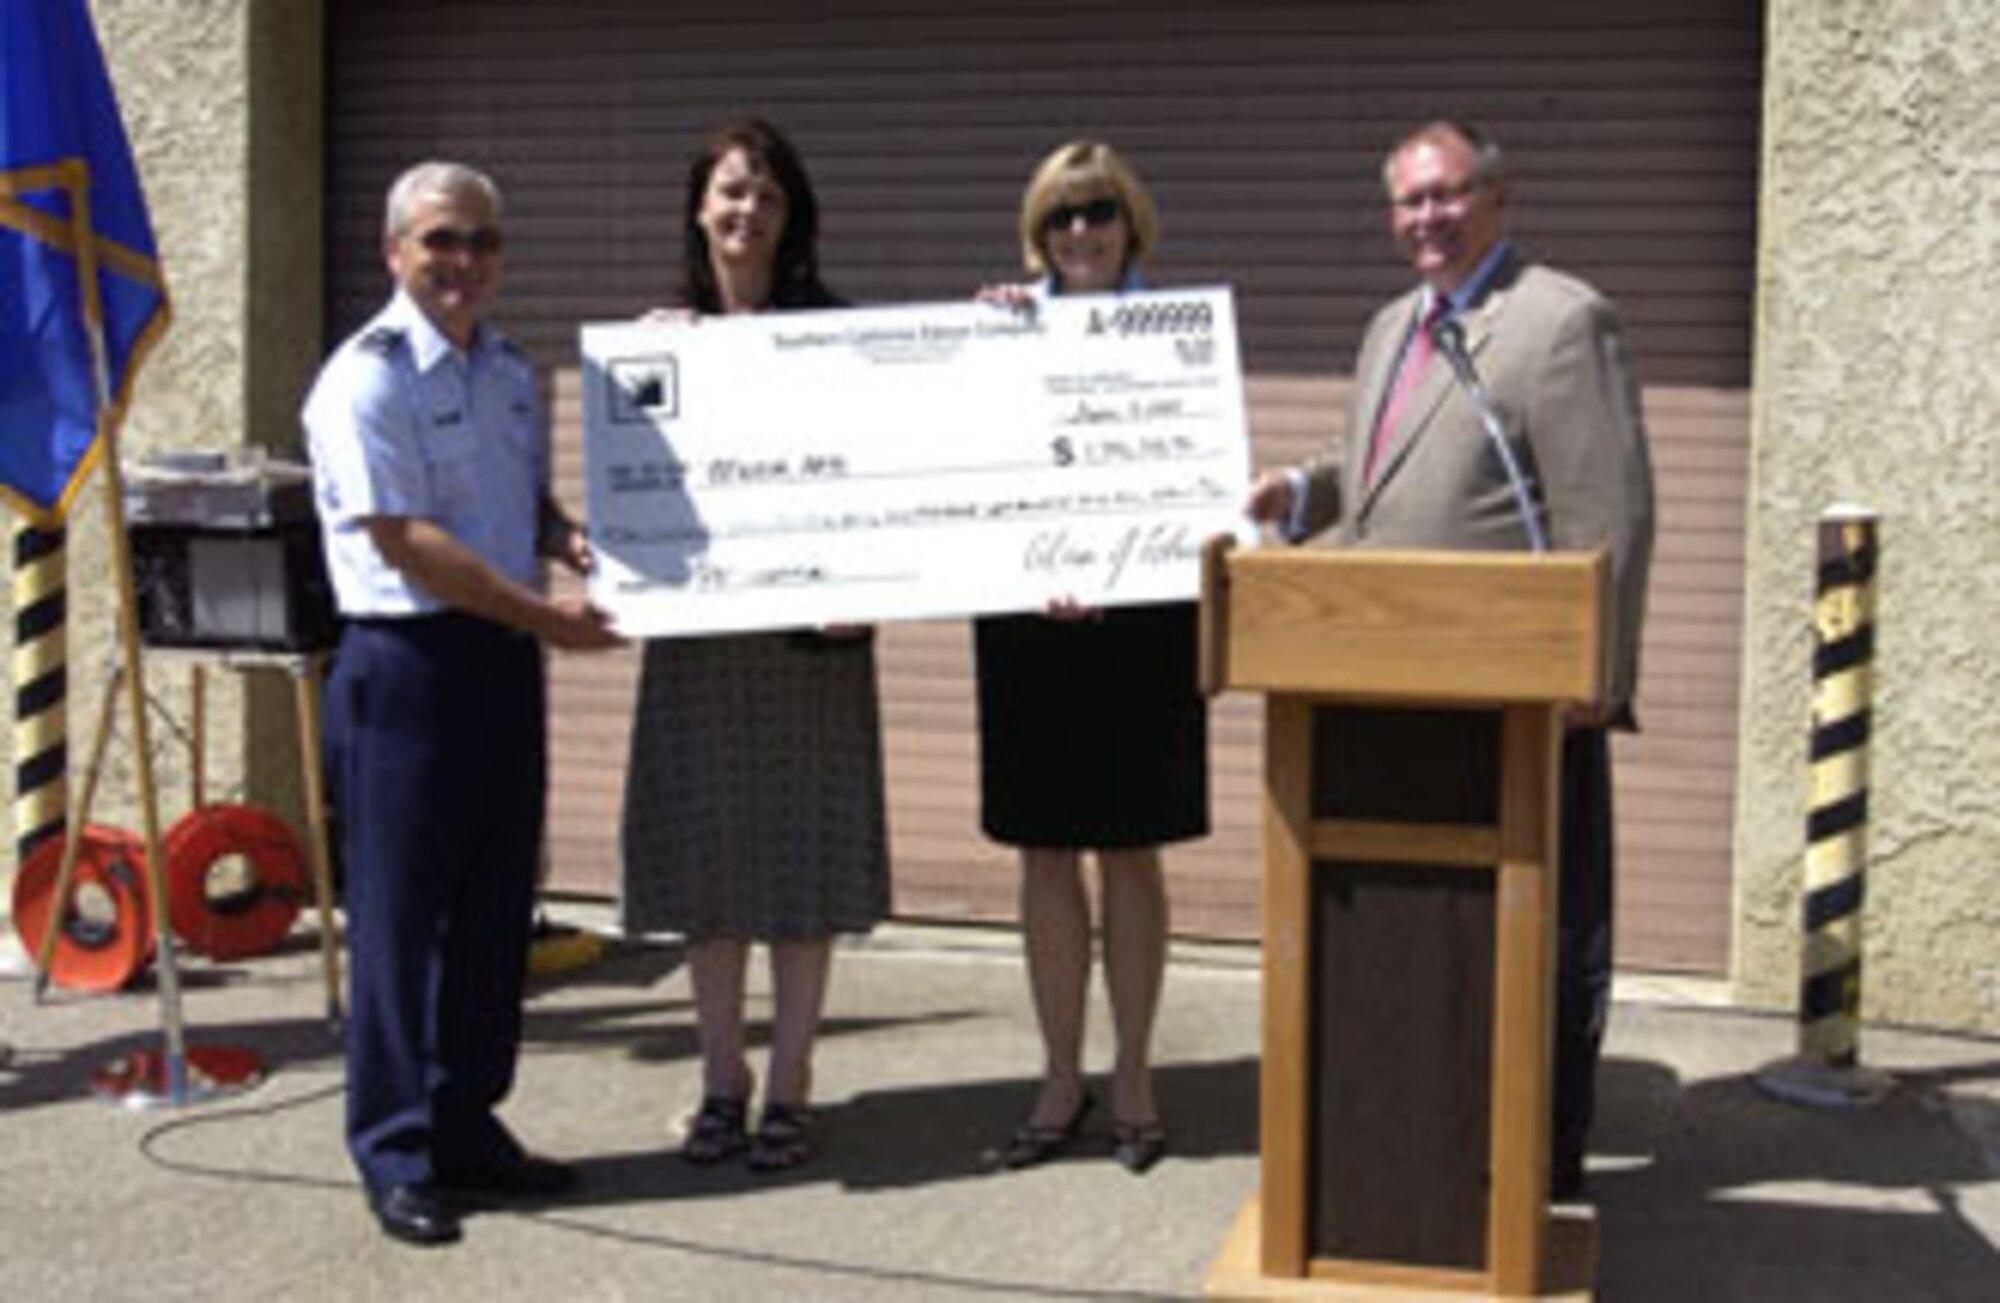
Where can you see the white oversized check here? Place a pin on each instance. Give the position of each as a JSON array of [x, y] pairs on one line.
[[789, 470]]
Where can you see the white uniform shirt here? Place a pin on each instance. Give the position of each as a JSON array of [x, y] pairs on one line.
[[402, 424]]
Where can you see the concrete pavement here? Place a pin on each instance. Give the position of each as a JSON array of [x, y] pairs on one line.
[[1706, 1189]]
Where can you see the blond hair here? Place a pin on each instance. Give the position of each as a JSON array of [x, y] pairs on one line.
[[1080, 166]]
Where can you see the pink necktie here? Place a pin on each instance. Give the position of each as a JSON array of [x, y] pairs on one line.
[[1410, 369]]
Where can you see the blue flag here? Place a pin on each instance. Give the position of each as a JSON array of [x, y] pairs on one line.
[[81, 296]]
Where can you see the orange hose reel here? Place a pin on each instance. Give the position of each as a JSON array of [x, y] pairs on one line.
[[106, 936], [236, 879]]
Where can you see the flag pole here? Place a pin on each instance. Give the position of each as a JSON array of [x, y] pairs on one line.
[[134, 673], [141, 1080]]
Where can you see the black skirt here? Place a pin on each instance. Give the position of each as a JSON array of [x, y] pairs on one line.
[[1092, 733]]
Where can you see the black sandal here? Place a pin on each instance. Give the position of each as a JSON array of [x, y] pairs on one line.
[[717, 1131], [1032, 1145], [781, 1138]]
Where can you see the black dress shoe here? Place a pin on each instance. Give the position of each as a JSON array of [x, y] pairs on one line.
[[413, 1214], [523, 1176]]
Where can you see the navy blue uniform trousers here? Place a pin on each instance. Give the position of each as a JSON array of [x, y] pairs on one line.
[[437, 750], [1583, 946]]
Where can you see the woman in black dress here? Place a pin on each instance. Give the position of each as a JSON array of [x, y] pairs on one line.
[[1093, 735]]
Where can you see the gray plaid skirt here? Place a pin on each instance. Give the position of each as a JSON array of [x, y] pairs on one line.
[[754, 800]]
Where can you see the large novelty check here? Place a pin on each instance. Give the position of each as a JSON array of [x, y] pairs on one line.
[[790, 470]]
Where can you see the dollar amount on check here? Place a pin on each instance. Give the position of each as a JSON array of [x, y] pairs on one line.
[[793, 470]]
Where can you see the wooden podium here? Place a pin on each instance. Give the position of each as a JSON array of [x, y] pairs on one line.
[[1412, 736]]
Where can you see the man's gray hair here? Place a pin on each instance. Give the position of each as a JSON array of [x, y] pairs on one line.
[[432, 179], [1488, 168]]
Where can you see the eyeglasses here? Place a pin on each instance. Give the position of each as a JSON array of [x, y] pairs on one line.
[[1449, 196], [1098, 212], [481, 241]]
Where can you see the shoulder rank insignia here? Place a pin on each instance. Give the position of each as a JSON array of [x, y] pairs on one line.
[[383, 340]]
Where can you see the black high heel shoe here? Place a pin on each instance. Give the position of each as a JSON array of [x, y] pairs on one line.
[[1138, 1145], [1031, 1145]]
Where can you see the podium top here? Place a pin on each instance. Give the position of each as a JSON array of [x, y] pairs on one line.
[[1452, 628]]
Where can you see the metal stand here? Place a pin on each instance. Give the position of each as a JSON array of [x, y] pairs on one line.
[[307, 670], [181, 1074], [176, 1074]]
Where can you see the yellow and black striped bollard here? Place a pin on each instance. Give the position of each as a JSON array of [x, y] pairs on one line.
[[1827, 1069], [41, 724]]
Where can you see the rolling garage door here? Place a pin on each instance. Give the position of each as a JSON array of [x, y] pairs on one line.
[[1631, 132]]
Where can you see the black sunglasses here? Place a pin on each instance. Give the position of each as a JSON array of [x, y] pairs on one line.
[[450, 239], [1098, 212]]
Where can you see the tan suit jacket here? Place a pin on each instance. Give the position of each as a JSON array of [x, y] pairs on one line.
[[1551, 353]]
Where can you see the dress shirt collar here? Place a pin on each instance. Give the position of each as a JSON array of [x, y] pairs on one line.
[[429, 345], [1472, 287]]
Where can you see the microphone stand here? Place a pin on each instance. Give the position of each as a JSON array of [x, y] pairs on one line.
[[1449, 337]]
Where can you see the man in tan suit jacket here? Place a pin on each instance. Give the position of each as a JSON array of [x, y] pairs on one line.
[[1421, 470]]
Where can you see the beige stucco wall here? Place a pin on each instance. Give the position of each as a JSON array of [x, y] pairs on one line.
[[223, 104], [1875, 384]]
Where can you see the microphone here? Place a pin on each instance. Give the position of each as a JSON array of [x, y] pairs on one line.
[[1448, 337]]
